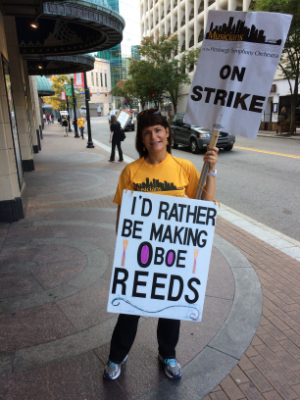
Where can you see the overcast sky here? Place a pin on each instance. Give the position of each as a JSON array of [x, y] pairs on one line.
[[130, 11]]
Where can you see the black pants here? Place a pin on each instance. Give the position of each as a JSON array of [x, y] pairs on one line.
[[125, 331], [113, 145], [81, 131]]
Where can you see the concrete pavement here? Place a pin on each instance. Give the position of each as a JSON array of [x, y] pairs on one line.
[[55, 273]]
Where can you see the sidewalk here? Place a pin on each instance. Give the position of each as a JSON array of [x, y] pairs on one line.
[[273, 134], [55, 270]]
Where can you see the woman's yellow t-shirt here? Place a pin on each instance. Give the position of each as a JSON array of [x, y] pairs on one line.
[[172, 177]]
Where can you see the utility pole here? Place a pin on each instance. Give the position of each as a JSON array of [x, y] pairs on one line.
[[68, 109], [74, 109], [90, 143]]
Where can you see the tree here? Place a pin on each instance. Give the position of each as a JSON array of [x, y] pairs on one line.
[[290, 60], [58, 83], [159, 71], [126, 89], [148, 82]]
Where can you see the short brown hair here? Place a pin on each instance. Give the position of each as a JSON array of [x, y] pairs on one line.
[[151, 119]]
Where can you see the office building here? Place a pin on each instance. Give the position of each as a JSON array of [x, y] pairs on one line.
[[185, 18], [119, 55], [99, 82]]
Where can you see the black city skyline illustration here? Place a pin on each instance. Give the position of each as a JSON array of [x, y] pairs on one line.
[[155, 185], [252, 34]]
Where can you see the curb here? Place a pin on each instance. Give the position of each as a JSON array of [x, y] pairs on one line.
[[278, 137]]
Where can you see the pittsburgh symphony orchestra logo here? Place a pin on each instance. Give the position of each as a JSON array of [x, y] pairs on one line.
[[239, 32], [155, 186]]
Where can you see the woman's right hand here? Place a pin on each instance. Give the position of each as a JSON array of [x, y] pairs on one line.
[[109, 140]]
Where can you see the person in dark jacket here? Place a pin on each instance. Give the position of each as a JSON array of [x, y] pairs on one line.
[[65, 125], [115, 138]]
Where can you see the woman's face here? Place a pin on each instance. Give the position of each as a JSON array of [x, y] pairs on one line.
[[155, 138]]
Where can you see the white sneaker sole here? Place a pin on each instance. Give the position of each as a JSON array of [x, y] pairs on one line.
[[107, 377], [160, 358]]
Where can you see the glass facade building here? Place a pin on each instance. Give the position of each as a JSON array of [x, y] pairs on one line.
[[118, 55]]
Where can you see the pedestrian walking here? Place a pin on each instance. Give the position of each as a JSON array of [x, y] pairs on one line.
[[44, 118], [115, 138], [52, 118], [65, 126], [48, 118], [80, 123], [153, 143]]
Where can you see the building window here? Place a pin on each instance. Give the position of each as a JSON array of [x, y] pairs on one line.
[[201, 35], [191, 14], [101, 78], [92, 76], [191, 43], [201, 7], [97, 79], [105, 77]]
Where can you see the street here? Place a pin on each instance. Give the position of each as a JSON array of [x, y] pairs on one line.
[[260, 185]]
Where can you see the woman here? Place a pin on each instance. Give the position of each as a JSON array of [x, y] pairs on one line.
[[80, 123], [115, 138], [153, 143], [65, 125]]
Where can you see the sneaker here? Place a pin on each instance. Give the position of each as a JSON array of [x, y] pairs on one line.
[[111, 160], [112, 371], [172, 367]]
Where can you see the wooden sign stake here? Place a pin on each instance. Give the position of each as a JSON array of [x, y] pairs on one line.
[[204, 172]]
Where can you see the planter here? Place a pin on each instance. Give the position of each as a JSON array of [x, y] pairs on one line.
[[284, 128]]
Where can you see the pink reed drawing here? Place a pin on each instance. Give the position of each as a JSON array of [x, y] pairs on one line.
[[125, 244], [195, 258]]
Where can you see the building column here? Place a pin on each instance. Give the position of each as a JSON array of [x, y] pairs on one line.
[[11, 208], [30, 109], [18, 83], [231, 5], [246, 4], [36, 112]]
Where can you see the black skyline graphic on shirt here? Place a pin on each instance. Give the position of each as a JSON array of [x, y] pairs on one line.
[[156, 186], [239, 32]]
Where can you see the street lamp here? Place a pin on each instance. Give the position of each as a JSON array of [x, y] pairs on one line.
[[90, 143], [74, 109]]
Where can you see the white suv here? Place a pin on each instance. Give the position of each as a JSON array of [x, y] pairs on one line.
[[113, 112]]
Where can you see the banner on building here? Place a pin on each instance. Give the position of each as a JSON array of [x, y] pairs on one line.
[[79, 80], [68, 87], [162, 256], [63, 96], [238, 60]]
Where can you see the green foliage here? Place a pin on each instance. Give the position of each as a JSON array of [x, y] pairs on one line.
[[58, 85], [125, 89], [159, 74], [290, 60]]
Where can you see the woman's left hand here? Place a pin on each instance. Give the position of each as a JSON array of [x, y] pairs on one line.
[[211, 156]]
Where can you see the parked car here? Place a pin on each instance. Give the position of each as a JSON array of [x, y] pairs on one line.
[[196, 137], [130, 126], [113, 112]]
